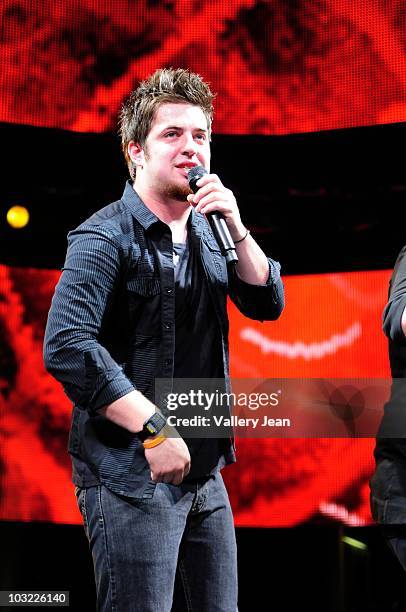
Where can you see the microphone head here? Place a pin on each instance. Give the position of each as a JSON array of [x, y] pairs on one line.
[[194, 175]]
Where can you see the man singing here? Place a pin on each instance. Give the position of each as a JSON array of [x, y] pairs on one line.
[[143, 296]]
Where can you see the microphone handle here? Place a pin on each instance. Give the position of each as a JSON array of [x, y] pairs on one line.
[[222, 235]]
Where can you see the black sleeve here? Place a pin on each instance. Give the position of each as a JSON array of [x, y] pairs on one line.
[[392, 315], [72, 352], [258, 302]]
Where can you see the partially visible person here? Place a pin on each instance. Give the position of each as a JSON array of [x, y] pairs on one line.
[[388, 484]]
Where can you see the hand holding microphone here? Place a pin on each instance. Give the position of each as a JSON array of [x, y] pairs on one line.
[[211, 193]]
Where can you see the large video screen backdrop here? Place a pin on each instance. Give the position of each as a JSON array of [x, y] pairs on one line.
[[279, 67], [332, 328]]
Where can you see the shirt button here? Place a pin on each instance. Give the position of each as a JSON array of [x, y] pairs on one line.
[[169, 290], [167, 325], [168, 362]]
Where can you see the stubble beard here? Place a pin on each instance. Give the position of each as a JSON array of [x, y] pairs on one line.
[[177, 192]]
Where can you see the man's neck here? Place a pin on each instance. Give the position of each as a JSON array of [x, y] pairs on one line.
[[170, 211]]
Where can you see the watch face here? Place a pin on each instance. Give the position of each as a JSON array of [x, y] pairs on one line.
[[151, 428], [155, 424]]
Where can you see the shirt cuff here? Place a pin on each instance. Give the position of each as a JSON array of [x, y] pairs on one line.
[[116, 388]]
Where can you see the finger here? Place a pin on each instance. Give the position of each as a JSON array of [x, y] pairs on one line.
[[178, 479], [209, 199], [216, 207], [210, 187], [187, 467], [208, 178]]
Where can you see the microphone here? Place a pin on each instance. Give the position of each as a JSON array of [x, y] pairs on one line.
[[216, 220]]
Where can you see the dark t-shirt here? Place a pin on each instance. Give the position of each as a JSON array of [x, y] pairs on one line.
[[198, 347]]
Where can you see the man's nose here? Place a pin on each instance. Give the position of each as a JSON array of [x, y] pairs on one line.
[[189, 145]]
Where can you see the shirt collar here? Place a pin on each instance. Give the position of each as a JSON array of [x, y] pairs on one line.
[[146, 218], [137, 207]]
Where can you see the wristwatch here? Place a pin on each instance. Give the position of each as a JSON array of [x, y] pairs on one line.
[[152, 426]]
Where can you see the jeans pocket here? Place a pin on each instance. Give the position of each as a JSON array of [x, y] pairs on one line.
[[81, 501], [149, 490]]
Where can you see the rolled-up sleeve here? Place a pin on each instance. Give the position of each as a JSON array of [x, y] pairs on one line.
[[72, 353], [392, 314], [259, 302]]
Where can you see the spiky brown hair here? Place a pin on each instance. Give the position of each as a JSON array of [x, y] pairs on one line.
[[165, 85]]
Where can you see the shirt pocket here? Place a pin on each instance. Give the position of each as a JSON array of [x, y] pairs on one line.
[[144, 305], [143, 286]]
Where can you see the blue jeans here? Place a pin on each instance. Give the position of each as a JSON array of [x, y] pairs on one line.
[[395, 536], [175, 551]]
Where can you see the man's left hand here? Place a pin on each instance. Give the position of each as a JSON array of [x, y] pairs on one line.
[[213, 196]]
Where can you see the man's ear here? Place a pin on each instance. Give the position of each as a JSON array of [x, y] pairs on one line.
[[136, 153]]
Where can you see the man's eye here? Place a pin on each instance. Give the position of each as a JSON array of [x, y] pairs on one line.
[[201, 136], [170, 134]]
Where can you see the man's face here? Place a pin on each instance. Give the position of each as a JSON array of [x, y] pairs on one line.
[[177, 141]]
